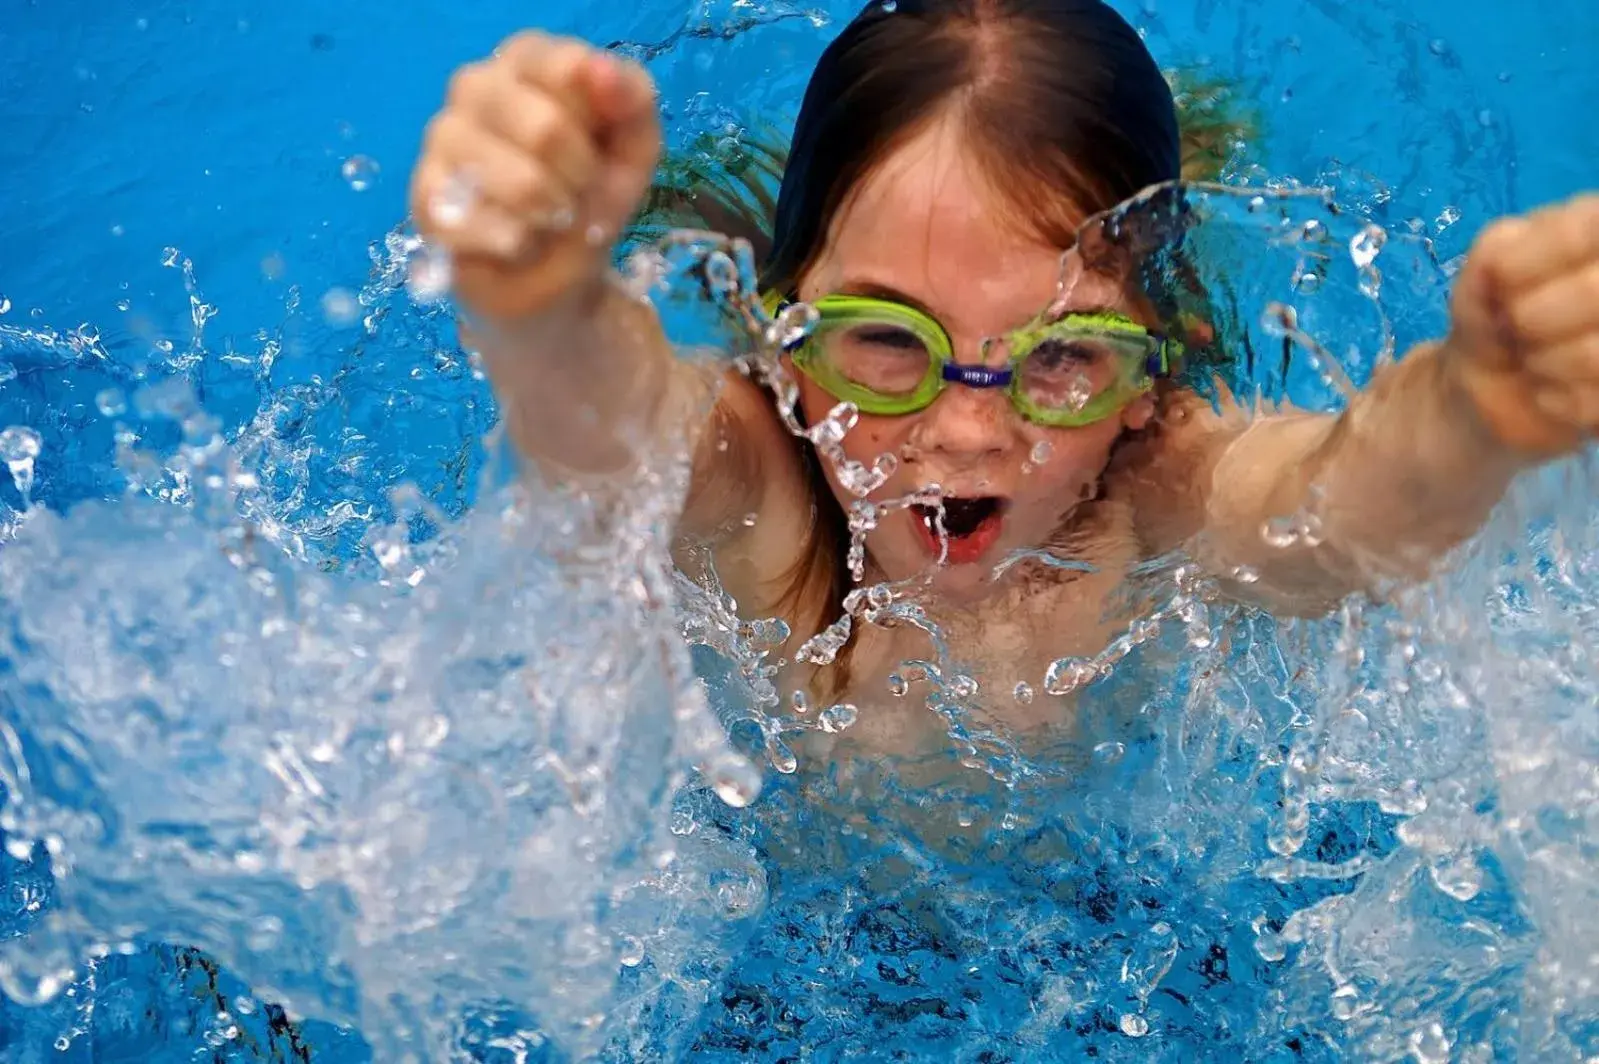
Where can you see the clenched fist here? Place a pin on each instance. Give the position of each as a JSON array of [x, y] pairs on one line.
[[540, 156], [1525, 334]]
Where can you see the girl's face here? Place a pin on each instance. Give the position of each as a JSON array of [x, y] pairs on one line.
[[922, 230]]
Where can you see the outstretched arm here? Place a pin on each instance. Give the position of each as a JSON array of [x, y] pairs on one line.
[[1317, 506]]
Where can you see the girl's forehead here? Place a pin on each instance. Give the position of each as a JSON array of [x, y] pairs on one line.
[[927, 223]]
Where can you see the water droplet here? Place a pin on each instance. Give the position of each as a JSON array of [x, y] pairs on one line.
[[721, 272], [19, 444], [1459, 876], [734, 780], [1429, 1044], [1023, 692], [897, 685], [1280, 532], [794, 322], [963, 687], [836, 718], [1346, 1002], [1366, 245], [340, 308], [781, 757], [1133, 1025], [1110, 752], [111, 402], [360, 172], [1066, 675], [429, 272]]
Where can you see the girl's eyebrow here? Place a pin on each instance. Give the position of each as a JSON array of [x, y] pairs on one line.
[[877, 290]]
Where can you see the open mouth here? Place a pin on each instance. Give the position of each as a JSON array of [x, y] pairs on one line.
[[972, 524]]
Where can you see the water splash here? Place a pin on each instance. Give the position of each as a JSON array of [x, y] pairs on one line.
[[236, 716]]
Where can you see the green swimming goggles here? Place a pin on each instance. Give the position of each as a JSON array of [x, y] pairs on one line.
[[889, 359]]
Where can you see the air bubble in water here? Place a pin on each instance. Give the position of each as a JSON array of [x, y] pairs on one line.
[[340, 308], [1429, 1044], [8, 373], [1133, 1025], [429, 272], [1345, 1003], [360, 172], [1023, 692], [111, 402], [632, 954], [734, 780], [5, 305], [1460, 877], [1446, 217], [1366, 245], [19, 446], [897, 685]]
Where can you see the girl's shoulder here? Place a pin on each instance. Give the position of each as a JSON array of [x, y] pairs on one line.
[[1164, 472]]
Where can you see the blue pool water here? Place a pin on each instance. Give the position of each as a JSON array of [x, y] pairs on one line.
[[367, 756]]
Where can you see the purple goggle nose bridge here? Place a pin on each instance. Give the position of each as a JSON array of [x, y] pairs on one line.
[[976, 376]]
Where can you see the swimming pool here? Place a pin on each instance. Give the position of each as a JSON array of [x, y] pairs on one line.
[[419, 896]]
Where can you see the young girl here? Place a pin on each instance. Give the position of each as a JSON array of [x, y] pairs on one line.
[[946, 153]]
